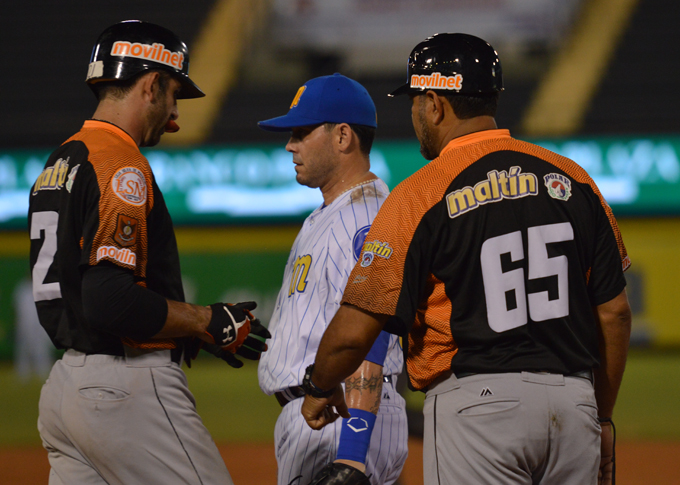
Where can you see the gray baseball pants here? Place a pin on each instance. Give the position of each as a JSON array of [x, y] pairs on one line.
[[125, 420], [515, 429]]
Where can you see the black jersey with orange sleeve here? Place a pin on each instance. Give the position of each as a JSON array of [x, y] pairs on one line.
[[491, 258], [96, 202]]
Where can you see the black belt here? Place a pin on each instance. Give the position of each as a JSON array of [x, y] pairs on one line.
[[288, 395], [292, 393], [175, 354], [583, 374]]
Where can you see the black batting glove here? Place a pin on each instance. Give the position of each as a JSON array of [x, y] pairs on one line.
[[251, 349], [255, 342], [230, 324], [225, 355]]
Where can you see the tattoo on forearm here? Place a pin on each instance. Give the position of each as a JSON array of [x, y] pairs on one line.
[[364, 391], [373, 384]]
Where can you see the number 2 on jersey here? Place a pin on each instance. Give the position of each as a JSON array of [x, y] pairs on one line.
[[498, 284], [45, 221]]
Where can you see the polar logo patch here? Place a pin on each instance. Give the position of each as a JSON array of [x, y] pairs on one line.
[[559, 186], [129, 185], [358, 241]]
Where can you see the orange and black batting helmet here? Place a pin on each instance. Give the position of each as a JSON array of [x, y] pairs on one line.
[[131, 47], [453, 64]]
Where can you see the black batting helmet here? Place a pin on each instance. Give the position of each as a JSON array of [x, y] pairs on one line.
[[453, 64], [128, 48]]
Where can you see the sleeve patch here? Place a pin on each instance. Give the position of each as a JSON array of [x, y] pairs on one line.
[[126, 231], [358, 241], [129, 185]]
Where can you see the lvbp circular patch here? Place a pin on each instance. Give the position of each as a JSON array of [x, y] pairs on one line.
[[129, 185]]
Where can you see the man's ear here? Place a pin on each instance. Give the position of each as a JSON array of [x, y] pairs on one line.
[[434, 107], [344, 136], [149, 86]]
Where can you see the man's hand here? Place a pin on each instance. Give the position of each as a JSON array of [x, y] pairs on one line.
[[318, 412], [229, 325], [252, 347], [255, 342], [606, 474]]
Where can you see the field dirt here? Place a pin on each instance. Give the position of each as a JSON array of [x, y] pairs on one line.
[[638, 463]]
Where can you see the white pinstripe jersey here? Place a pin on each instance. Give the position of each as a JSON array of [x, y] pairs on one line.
[[320, 261]]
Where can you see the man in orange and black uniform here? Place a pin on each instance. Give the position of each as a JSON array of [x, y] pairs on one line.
[[107, 284], [505, 269]]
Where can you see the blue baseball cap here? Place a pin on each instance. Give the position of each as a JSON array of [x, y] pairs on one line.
[[327, 99]]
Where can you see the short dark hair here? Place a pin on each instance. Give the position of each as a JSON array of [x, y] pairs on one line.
[[366, 135], [119, 89], [466, 107]]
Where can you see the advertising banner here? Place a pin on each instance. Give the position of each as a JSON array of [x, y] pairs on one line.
[[256, 184]]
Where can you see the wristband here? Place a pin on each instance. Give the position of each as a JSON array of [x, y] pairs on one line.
[[379, 349], [355, 435]]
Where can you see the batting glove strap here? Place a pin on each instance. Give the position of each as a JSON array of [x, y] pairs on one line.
[[355, 435], [340, 474]]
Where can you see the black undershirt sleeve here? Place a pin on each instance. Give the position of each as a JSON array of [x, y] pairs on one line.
[[113, 303]]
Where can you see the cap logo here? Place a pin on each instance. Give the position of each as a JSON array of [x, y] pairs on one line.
[[151, 52], [296, 99], [437, 81]]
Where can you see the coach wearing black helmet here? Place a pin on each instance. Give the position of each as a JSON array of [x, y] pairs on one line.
[[108, 289], [505, 275]]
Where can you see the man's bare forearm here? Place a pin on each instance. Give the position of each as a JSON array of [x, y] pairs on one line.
[[363, 388], [614, 319], [185, 320], [345, 344]]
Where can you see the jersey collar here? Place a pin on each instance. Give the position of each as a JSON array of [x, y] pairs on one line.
[[105, 125], [474, 138]]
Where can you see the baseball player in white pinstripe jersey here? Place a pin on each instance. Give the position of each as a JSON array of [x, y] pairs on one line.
[[332, 121]]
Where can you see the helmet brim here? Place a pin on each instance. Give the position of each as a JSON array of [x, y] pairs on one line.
[[403, 89], [189, 89]]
